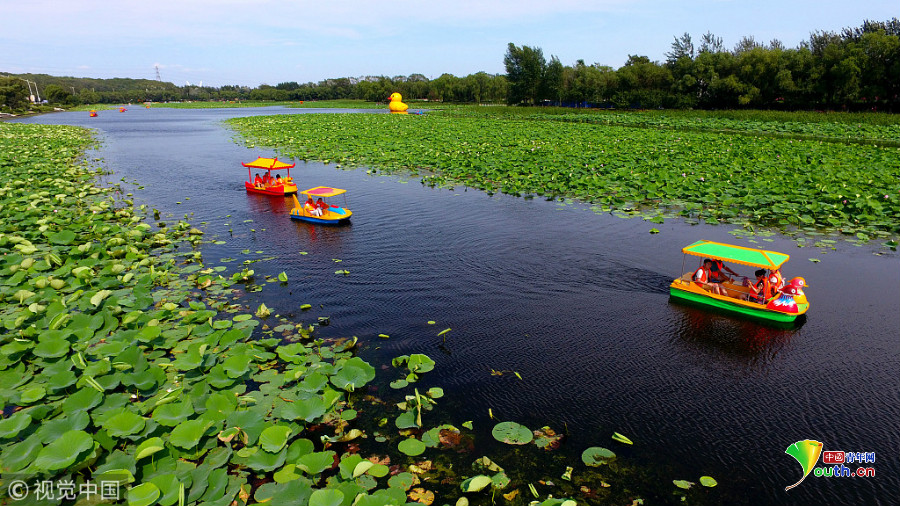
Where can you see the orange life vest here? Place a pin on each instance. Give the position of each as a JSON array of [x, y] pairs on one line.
[[700, 276], [775, 282]]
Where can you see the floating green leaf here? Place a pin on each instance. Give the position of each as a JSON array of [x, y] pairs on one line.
[[144, 494], [326, 497], [622, 439], [475, 483], [274, 438], [597, 456], [63, 452], [512, 433], [411, 446], [708, 481]]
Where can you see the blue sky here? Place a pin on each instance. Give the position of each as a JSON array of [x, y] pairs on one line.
[[251, 42]]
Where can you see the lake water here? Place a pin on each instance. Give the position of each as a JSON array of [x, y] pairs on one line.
[[573, 300]]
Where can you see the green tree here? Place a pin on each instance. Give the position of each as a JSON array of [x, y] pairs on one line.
[[13, 94], [524, 72]]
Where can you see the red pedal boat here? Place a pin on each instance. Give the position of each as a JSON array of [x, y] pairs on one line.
[[267, 184]]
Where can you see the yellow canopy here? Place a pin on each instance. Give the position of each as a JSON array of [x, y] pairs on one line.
[[268, 164], [323, 191]]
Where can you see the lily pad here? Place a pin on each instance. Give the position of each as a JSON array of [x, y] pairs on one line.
[[597, 456], [411, 446], [144, 494], [708, 481], [326, 497], [64, 451], [475, 483], [274, 438], [512, 433]]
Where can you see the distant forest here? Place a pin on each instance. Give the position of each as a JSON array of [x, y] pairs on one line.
[[857, 69]]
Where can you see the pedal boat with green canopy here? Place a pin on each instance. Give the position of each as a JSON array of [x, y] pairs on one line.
[[781, 308]]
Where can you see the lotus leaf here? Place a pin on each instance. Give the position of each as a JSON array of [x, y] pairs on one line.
[[144, 494], [148, 447], [683, 484], [64, 451], [308, 410], [32, 395], [512, 433], [326, 497], [169, 486], [411, 446], [10, 427], [316, 462], [188, 433], [500, 481], [475, 483], [354, 373], [597, 456], [419, 363], [420, 495], [237, 365], [274, 438], [708, 481], [172, 414], [123, 423]]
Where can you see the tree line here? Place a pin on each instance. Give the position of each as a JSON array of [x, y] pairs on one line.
[[856, 69]]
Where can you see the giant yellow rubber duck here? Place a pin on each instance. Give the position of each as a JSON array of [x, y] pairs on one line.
[[397, 106]]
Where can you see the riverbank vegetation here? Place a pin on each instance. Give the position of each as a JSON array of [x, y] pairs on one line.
[[851, 70], [126, 360], [753, 173]]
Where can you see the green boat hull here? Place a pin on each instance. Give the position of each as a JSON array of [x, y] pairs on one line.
[[762, 314]]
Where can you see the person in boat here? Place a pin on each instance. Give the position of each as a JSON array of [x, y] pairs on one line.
[[267, 179], [311, 207], [718, 269], [702, 278], [321, 205], [278, 181], [258, 181], [776, 282], [759, 289]]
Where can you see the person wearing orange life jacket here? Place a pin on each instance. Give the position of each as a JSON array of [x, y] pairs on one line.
[[257, 181], [760, 288], [718, 269], [311, 208], [702, 278], [776, 282]]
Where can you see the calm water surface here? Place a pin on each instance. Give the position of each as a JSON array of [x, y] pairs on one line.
[[574, 301]]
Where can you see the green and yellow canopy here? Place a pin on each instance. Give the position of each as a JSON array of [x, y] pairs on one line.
[[737, 254]]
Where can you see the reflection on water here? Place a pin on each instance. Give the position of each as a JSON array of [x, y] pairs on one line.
[[723, 337], [575, 302]]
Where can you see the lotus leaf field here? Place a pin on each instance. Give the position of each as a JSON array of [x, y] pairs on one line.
[[125, 360], [666, 168]]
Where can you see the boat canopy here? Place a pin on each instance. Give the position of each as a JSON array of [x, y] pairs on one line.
[[323, 191], [738, 254], [268, 164]]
